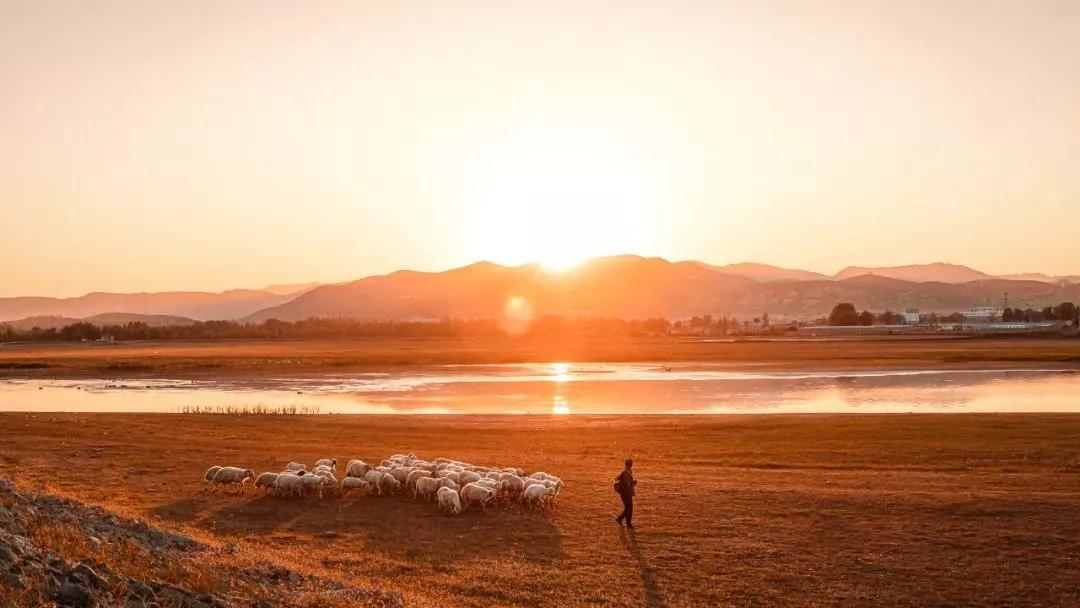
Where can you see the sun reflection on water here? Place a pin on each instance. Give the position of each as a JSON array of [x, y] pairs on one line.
[[560, 372], [559, 405]]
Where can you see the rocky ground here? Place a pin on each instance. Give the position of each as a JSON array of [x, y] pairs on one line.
[[55, 551]]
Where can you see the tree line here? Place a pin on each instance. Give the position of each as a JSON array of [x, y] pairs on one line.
[[845, 314], [329, 329]]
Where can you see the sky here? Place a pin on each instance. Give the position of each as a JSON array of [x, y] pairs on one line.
[[150, 146]]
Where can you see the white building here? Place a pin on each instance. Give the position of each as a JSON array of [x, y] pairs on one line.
[[911, 316], [983, 314]]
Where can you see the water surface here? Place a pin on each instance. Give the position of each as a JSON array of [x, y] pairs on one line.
[[573, 389]]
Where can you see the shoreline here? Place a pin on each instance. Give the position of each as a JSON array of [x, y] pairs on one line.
[[247, 359]]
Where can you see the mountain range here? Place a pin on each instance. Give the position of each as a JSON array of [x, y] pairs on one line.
[[624, 286]]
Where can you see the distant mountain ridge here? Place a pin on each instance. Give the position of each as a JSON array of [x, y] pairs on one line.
[[938, 272], [626, 286], [636, 287], [764, 273], [232, 304]]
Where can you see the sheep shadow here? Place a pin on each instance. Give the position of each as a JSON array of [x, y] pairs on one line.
[[395, 525], [653, 598]]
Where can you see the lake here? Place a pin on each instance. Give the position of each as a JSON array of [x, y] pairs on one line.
[[561, 388]]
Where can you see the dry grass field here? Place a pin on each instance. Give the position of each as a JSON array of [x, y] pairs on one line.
[[265, 357], [838, 510]]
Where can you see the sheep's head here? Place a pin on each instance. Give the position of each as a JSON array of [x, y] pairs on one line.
[[249, 474]]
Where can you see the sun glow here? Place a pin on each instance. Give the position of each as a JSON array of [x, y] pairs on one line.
[[558, 196]]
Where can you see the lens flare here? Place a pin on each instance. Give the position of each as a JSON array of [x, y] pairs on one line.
[[517, 316]]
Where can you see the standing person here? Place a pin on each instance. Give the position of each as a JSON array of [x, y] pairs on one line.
[[624, 485]]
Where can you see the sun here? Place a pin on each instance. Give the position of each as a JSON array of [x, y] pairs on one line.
[[560, 262], [558, 197]]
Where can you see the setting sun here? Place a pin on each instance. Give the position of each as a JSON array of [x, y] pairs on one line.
[[558, 195]]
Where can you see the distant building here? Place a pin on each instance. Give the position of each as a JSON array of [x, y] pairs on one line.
[[983, 314], [911, 316]]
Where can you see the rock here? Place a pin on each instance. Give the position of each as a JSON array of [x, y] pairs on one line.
[[182, 541], [12, 581], [139, 588], [92, 578], [77, 596]]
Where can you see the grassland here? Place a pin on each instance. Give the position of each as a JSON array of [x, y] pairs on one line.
[[222, 358], [938, 509]]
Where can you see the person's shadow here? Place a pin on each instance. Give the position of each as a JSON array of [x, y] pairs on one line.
[[653, 599]]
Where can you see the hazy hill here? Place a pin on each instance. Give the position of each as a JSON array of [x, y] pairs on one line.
[[619, 286], [937, 272], [872, 292], [623, 286], [636, 287], [232, 304], [1038, 276], [115, 318], [765, 273], [285, 289]]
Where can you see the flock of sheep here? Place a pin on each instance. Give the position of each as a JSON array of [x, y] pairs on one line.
[[452, 484]]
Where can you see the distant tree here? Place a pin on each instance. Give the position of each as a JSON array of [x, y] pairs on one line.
[[866, 318], [1007, 315], [888, 318], [765, 319], [844, 314], [1048, 313], [1066, 311]]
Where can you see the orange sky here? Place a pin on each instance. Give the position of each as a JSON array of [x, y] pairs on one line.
[[205, 145]]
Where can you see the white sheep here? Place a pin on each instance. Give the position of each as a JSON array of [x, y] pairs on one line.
[[208, 476], [355, 484], [477, 494], [328, 462], [357, 468], [289, 484], [451, 475], [266, 481], [401, 473], [296, 466], [513, 484], [313, 484], [410, 481], [467, 477], [375, 477], [233, 477], [327, 475], [389, 484], [449, 501], [537, 495], [426, 487]]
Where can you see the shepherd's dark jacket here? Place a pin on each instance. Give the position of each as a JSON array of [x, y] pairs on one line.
[[626, 483]]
